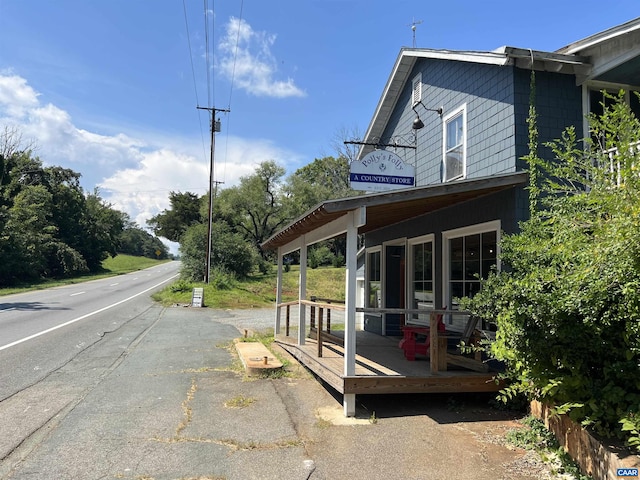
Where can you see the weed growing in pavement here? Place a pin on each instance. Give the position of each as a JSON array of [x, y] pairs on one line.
[[239, 401], [373, 419], [535, 436], [323, 423]]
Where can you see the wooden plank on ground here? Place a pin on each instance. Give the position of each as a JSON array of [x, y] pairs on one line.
[[470, 363], [330, 376]]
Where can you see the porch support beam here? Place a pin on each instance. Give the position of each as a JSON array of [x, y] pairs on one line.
[[276, 325], [324, 232], [302, 291], [356, 218]]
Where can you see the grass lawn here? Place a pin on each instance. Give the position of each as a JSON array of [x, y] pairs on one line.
[[259, 291], [110, 267]]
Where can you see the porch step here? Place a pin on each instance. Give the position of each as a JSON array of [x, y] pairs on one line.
[[256, 358]]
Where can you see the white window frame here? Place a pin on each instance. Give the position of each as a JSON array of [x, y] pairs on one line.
[[410, 271], [416, 89], [460, 111], [492, 226], [591, 85], [368, 251]]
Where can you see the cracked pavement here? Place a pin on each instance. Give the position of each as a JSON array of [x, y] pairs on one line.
[[154, 400]]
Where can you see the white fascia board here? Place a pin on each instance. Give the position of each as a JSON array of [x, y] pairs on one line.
[[601, 37], [396, 80], [488, 58], [328, 230]]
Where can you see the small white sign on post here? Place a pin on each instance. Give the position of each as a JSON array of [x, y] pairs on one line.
[[197, 297], [380, 171]]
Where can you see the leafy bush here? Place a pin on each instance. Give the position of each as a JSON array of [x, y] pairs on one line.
[[229, 252], [568, 304], [181, 286], [320, 255], [221, 279]]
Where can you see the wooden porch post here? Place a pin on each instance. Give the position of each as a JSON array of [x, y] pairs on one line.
[[276, 326], [302, 292], [356, 219]]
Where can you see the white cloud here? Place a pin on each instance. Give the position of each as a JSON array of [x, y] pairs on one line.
[[57, 139], [145, 188], [134, 175], [16, 96], [245, 57]]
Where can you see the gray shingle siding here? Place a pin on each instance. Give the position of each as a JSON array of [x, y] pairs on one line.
[[558, 103], [502, 205], [497, 104], [488, 93]]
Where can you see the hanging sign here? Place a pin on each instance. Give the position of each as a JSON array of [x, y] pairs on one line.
[[380, 171]]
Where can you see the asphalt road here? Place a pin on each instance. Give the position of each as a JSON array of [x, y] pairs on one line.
[[42, 330], [138, 391], [160, 399]]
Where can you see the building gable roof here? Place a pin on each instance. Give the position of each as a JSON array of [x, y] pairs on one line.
[[408, 57], [614, 53]]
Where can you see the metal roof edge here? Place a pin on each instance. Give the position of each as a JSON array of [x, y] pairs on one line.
[[333, 208], [600, 37], [346, 204]]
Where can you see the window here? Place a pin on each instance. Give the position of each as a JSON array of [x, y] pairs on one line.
[[421, 292], [470, 254], [455, 139], [417, 89], [374, 299]]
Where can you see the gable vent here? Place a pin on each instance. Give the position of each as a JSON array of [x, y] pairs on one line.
[[417, 89]]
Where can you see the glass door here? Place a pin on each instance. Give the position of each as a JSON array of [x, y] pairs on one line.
[[394, 288]]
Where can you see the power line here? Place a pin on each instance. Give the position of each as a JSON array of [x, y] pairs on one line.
[[206, 52], [233, 75], [193, 72]]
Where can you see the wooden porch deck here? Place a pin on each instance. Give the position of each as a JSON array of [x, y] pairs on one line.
[[381, 368]]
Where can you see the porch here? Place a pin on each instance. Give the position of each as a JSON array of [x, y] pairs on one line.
[[381, 366], [366, 215]]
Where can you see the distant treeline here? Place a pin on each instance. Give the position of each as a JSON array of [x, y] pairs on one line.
[[51, 228]]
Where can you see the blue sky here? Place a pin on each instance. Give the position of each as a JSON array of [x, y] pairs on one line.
[[110, 88]]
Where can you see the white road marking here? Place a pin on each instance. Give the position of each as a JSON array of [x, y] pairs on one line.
[[77, 293], [35, 335], [114, 284]]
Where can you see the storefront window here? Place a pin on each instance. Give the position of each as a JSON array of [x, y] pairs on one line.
[[471, 258], [422, 278], [374, 299]]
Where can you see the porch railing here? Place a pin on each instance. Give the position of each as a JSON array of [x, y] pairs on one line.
[[438, 355], [613, 167]]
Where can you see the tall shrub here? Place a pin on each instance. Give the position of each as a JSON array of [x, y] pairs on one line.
[[567, 302]]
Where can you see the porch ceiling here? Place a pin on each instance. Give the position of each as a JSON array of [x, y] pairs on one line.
[[385, 209]]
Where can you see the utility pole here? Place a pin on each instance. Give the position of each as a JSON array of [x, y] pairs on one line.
[[215, 127]]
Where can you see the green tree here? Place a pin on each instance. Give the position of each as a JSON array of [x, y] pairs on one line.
[[102, 226], [136, 241], [173, 222], [567, 305], [325, 178], [48, 227], [230, 252], [256, 208]]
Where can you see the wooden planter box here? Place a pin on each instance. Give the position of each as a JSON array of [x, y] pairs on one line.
[[594, 458]]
